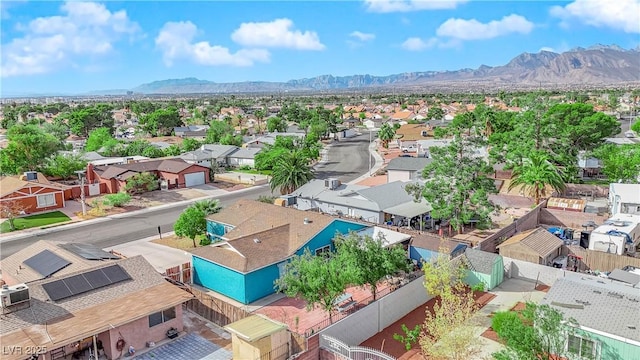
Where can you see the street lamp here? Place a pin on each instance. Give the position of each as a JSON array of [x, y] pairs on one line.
[[82, 175]]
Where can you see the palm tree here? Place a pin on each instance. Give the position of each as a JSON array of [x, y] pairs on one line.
[[535, 174], [290, 172], [386, 134], [208, 206]]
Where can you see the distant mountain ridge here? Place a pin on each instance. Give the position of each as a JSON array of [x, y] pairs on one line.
[[596, 65]]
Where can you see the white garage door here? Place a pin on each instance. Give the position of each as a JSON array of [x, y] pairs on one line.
[[194, 179]]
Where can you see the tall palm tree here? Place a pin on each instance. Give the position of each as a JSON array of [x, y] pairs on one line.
[[535, 174], [208, 206], [290, 172], [386, 134]]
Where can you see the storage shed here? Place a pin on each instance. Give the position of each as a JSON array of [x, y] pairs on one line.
[[484, 267], [258, 337]]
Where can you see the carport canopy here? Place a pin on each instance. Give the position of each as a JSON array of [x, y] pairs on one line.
[[410, 209]]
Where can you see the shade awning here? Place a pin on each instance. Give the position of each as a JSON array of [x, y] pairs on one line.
[[409, 209]]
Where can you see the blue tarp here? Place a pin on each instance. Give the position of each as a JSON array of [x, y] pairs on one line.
[[620, 233]]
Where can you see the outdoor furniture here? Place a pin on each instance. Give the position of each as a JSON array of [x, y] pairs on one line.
[[344, 302], [172, 333]]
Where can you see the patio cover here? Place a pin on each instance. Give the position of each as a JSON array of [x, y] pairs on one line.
[[389, 237], [410, 209], [254, 328]]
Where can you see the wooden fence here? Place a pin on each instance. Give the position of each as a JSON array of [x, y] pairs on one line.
[[215, 310], [602, 261]]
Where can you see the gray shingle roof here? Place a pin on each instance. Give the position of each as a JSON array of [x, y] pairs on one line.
[[245, 153], [606, 306], [481, 261], [408, 163], [387, 195]]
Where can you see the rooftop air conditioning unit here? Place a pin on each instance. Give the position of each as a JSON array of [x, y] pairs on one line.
[[331, 184], [12, 295], [31, 176]]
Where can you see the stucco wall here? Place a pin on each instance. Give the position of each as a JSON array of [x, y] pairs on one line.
[[219, 279], [138, 333], [529, 271], [375, 317], [30, 202], [420, 254], [398, 175], [324, 237], [336, 209], [260, 283]]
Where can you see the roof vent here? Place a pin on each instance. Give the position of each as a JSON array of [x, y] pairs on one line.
[[306, 220], [632, 327], [257, 241]]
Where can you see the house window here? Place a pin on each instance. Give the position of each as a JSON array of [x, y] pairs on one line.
[[46, 200], [583, 348], [322, 250], [162, 316]]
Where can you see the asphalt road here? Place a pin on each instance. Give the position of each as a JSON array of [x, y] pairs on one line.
[[347, 160]]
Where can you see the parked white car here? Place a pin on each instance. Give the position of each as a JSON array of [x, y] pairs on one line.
[[409, 149]]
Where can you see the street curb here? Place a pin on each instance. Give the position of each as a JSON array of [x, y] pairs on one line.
[[378, 164], [45, 231]]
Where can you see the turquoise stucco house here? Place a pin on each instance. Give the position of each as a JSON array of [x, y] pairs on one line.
[[252, 241], [607, 315]]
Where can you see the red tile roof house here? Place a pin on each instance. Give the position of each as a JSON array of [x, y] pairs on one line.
[[84, 303], [176, 172], [34, 195]]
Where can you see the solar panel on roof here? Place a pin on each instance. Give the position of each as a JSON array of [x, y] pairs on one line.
[[115, 273], [78, 284], [57, 290], [97, 278], [89, 252], [46, 263], [82, 283]]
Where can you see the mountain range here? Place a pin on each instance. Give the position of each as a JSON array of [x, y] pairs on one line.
[[598, 65]]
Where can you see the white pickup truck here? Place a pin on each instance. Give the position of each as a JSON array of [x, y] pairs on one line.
[[409, 149]]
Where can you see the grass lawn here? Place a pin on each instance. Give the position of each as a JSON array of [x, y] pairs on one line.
[[35, 221], [181, 243], [251, 171]]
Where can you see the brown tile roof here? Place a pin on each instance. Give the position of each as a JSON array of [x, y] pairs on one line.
[[172, 165], [433, 242], [283, 228], [402, 115], [90, 313], [15, 272], [9, 184], [539, 240]]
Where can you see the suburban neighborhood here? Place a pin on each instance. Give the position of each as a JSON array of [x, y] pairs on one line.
[[369, 180]]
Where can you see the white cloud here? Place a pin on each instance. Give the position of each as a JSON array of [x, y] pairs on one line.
[[388, 6], [362, 36], [85, 30], [474, 30], [276, 34], [619, 14], [417, 44], [175, 40]]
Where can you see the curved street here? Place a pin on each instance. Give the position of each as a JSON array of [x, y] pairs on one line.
[[346, 160]]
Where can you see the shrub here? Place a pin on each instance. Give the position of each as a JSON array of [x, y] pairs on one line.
[[410, 337], [478, 287], [205, 241], [141, 183], [244, 167], [118, 200]]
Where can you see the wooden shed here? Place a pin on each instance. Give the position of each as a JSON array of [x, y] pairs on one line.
[[537, 246], [258, 337]]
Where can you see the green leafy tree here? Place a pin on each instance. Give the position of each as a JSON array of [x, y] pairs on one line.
[[374, 261], [84, 119], [448, 331], [260, 114], [291, 171], [435, 113], [10, 210], [141, 183], [191, 223], [536, 333], [9, 118], [173, 150], [189, 144], [318, 280], [457, 186], [386, 134], [152, 152], [64, 166], [208, 206], [636, 127], [161, 121], [58, 129], [267, 158], [28, 149], [620, 163], [218, 130], [536, 174], [97, 138], [276, 123]]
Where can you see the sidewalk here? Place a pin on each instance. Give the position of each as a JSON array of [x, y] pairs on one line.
[[17, 235]]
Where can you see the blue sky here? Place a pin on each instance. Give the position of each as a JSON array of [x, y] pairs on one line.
[[74, 47]]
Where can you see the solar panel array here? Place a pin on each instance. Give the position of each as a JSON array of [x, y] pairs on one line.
[[89, 252], [82, 283], [46, 263]]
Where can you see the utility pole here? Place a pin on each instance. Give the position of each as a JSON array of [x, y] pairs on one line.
[[82, 175], [369, 154]]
